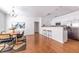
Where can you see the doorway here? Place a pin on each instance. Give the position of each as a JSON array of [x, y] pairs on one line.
[[36, 27]]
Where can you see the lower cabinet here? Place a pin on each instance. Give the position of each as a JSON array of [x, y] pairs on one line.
[[47, 33]]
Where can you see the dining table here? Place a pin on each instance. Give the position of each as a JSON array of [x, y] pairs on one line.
[[6, 35], [7, 42]]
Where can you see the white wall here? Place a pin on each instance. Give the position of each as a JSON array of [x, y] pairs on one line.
[[22, 17], [46, 20], [66, 19], [2, 21], [29, 23]]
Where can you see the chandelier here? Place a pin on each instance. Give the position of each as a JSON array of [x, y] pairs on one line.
[[12, 13]]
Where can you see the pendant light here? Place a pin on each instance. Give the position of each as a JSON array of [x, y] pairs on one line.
[[13, 14]]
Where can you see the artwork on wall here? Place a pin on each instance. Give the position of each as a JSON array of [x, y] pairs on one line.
[[20, 25]]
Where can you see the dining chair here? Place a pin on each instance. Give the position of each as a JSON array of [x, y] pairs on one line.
[[7, 44]]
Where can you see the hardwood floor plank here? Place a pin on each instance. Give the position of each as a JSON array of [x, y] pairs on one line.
[[41, 44]]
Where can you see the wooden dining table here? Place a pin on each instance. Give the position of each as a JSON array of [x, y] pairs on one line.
[[5, 36]]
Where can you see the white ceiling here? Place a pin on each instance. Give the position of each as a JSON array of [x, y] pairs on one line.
[[39, 11]]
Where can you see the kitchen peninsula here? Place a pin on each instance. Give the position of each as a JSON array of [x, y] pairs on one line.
[[58, 33]]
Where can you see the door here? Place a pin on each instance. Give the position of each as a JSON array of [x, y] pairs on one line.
[[36, 27]]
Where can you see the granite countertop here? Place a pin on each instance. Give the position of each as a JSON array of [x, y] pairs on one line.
[[55, 26]]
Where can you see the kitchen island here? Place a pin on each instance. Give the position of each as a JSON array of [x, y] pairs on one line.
[[58, 33]]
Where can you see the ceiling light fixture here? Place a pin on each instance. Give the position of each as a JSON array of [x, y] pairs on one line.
[[13, 14]]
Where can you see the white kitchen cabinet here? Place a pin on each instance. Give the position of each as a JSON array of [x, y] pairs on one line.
[[57, 33]]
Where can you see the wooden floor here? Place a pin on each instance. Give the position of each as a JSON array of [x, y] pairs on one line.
[[41, 44]]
